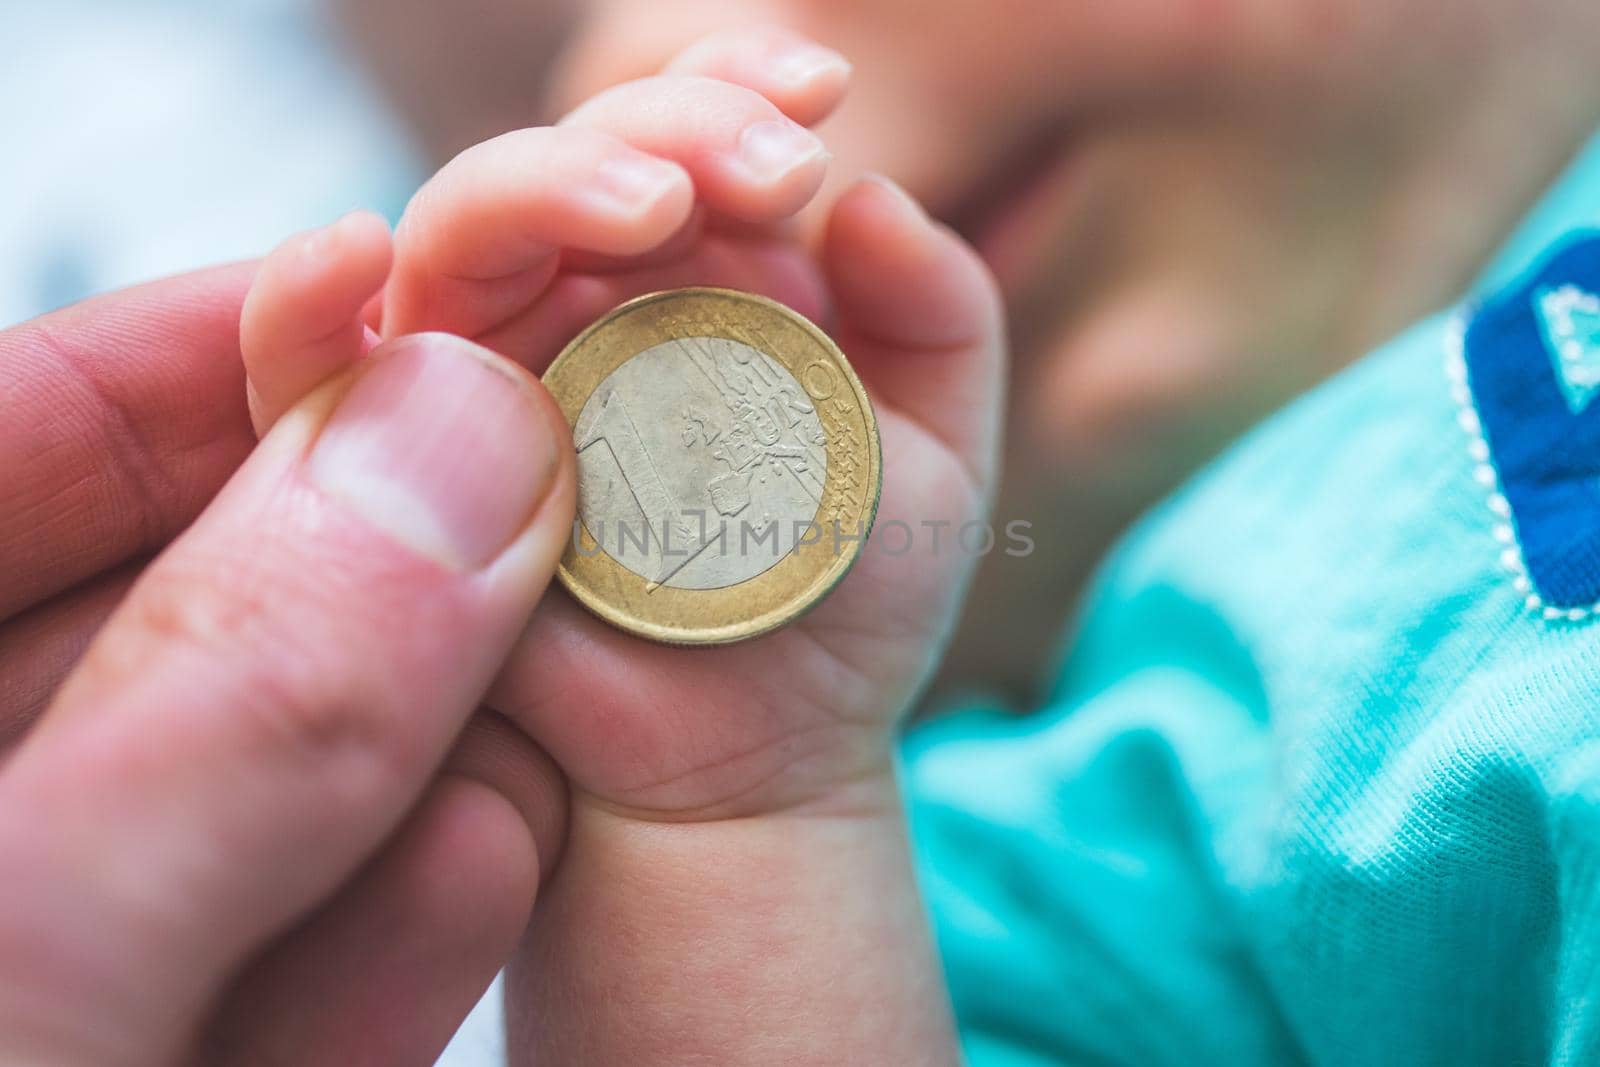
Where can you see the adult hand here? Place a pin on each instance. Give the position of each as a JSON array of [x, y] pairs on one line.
[[259, 819]]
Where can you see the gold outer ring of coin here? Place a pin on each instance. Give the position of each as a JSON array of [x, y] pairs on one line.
[[800, 579]]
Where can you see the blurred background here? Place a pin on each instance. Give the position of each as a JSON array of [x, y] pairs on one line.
[[146, 137]]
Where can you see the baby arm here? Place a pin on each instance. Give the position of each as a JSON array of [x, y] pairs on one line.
[[736, 885]]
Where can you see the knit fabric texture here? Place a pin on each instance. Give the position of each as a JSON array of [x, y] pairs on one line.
[[1318, 783]]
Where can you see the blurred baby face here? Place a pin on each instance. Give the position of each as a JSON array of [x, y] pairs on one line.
[[1132, 172], [1120, 164], [1097, 153], [1195, 208]]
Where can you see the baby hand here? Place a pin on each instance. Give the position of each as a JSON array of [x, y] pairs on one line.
[[734, 823], [684, 179]]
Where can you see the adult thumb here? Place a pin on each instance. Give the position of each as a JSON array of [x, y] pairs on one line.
[[273, 696]]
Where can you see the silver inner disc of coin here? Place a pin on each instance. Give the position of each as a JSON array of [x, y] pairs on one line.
[[701, 463]]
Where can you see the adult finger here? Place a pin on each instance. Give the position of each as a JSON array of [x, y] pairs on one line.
[[39, 648], [123, 417], [385, 973], [273, 696]]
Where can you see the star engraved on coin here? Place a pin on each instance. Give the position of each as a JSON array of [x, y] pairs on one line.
[[728, 465]]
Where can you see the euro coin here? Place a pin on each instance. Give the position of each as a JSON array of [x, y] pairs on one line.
[[728, 465]]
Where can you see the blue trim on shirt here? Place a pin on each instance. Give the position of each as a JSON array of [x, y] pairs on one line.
[[1535, 399]]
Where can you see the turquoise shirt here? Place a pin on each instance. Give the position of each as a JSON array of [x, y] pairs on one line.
[[1317, 785]]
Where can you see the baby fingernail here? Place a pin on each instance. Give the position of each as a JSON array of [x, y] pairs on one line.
[[315, 244], [799, 65], [771, 149], [903, 200], [631, 182], [441, 448]]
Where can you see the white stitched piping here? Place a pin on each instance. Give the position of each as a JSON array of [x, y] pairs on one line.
[[1483, 472]]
